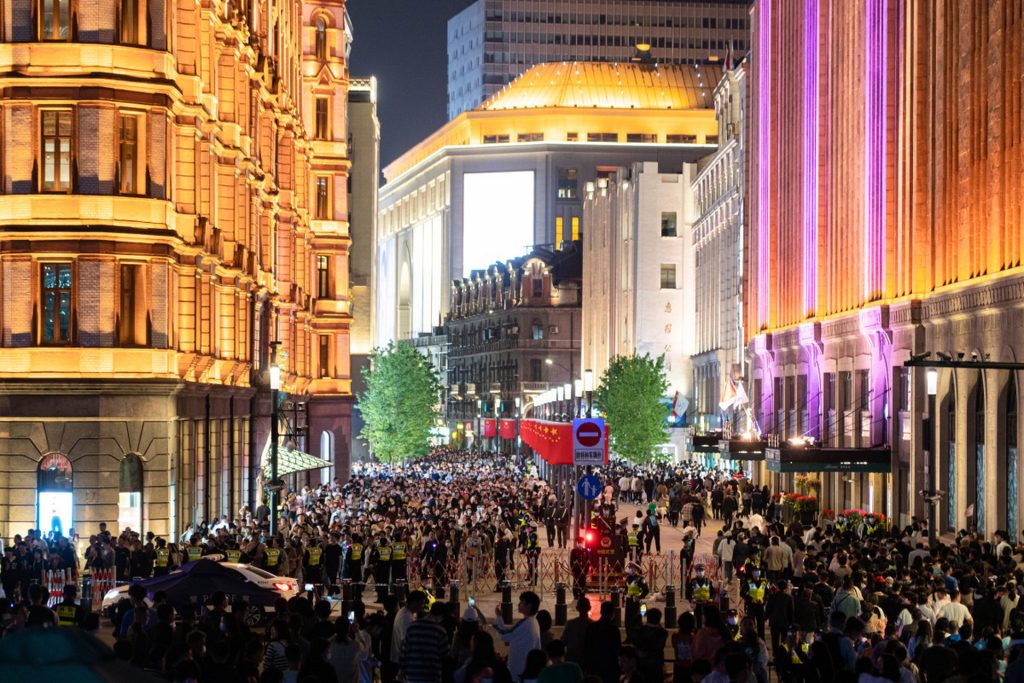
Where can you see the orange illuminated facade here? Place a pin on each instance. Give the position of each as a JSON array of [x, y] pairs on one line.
[[173, 200], [885, 221]]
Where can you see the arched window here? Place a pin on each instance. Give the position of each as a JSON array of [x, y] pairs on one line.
[[129, 501], [321, 39], [951, 458], [55, 494], [1012, 467], [327, 446], [538, 330]]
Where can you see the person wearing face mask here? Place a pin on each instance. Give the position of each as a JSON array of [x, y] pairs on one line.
[[754, 592]]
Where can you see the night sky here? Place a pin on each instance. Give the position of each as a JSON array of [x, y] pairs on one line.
[[404, 44]]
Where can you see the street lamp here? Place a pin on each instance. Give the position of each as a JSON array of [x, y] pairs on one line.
[[578, 385], [517, 401], [932, 388], [275, 386], [567, 392]]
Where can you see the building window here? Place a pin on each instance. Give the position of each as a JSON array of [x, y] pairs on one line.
[[711, 139], [602, 137], [568, 183], [129, 28], [642, 137], [495, 139], [538, 331], [572, 137], [668, 276], [325, 355], [559, 231], [321, 125], [128, 154], [57, 131], [321, 40], [56, 302], [575, 228], [681, 139], [668, 224], [55, 20], [538, 286], [132, 321], [536, 370], [323, 198], [323, 274], [530, 137]]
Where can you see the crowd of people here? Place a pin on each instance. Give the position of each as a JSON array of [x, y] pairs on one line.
[[801, 603]]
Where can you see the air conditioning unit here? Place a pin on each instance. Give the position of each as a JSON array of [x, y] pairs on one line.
[[553, 329]]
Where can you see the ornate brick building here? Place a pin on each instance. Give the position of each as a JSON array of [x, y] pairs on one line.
[[173, 201], [885, 221]]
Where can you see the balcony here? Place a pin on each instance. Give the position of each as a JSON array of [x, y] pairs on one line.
[[92, 60], [95, 211], [510, 344]]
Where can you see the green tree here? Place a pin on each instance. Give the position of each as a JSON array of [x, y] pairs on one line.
[[399, 404], [629, 396]]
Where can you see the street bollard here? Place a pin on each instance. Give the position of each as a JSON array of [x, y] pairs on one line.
[[453, 598], [617, 606], [670, 607], [401, 591], [506, 602], [561, 615]]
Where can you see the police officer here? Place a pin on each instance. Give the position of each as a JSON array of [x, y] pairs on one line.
[[532, 554], [162, 563], [701, 593], [313, 566], [354, 563], [233, 553], [732, 622], [399, 555], [579, 564], [633, 543], [754, 592], [273, 562], [69, 613], [380, 561], [636, 590], [194, 550]]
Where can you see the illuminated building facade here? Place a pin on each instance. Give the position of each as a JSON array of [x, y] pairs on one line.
[[511, 174], [173, 201], [885, 220], [718, 252], [492, 42]]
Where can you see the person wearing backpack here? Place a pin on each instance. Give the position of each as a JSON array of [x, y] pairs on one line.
[[833, 656], [846, 600]]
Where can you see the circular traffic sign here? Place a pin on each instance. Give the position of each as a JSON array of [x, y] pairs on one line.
[[588, 434]]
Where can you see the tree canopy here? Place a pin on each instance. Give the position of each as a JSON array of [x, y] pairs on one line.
[[399, 404], [629, 396]]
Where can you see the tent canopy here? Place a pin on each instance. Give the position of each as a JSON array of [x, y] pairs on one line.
[[290, 461]]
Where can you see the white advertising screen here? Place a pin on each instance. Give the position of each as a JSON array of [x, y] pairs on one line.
[[497, 217]]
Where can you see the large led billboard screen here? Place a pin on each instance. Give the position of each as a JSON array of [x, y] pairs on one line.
[[497, 217]]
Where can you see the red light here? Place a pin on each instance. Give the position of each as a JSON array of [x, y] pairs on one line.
[[283, 587], [589, 537]]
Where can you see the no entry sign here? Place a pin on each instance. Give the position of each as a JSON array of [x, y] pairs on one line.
[[588, 441]]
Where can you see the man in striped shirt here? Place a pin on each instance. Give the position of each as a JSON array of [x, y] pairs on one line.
[[425, 644]]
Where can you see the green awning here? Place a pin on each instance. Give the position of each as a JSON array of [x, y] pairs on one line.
[[290, 461]]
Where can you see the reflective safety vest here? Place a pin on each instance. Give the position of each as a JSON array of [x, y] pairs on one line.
[[273, 555], [314, 555], [66, 614], [793, 656], [633, 590], [384, 552], [357, 551], [755, 589], [634, 538], [399, 551], [234, 555], [194, 552], [701, 590], [162, 557]]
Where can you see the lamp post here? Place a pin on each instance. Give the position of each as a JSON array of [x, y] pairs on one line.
[[275, 386], [578, 390], [932, 387], [567, 392], [517, 401], [479, 425]]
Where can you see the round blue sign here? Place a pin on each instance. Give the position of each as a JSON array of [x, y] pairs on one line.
[[589, 487]]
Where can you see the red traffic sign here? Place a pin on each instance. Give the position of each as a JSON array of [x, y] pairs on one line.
[[588, 434]]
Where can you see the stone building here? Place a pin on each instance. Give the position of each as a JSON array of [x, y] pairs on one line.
[[513, 332], [173, 201], [491, 42], [885, 222]]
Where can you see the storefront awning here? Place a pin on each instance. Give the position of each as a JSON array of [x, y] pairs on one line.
[[742, 449], [290, 461], [702, 443], [795, 458]]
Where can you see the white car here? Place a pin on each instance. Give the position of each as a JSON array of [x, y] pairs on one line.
[[276, 586]]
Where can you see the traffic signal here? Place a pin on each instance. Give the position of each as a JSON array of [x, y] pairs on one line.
[[589, 537]]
